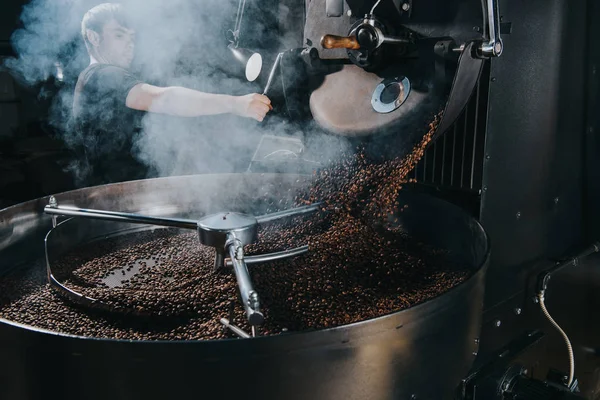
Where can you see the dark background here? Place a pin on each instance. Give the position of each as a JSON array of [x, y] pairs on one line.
[[33, 156]]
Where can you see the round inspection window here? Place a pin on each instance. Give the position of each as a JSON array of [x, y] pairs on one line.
[[390, 94]]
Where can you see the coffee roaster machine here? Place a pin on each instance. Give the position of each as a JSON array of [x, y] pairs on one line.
[[517, 152], [518, 149]]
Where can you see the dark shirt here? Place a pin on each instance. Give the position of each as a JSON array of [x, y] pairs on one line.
[[105, 128]]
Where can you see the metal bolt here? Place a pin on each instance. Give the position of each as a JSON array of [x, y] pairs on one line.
[[525, 371], [518, 311], [476, 340], [518, 214], [497, 323], [406, 6], [487, 157], [476, 28], [535, 299], [413, 397], [556, 200], [493, 79], [474, 354], [484, 188], [349, 13], [501, 18]]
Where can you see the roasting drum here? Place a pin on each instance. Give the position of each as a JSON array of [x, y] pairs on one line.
[[423, 351]]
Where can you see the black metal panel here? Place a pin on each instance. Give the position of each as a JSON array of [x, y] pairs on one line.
[[592, 142], [455, 159], [532, 182], [452, 166]]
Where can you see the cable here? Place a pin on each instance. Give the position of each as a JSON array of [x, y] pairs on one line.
[[374, 7], [564, 335]]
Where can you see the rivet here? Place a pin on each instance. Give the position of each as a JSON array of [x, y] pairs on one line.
[[493, 79], [406, 6], [349, 13], [497, 323], [518, 311], [518, 214]]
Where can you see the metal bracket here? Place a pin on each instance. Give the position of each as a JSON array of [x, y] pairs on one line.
[[494, 46], [334, 8]]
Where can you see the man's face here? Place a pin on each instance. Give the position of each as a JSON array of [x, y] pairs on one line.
[[117, 44]]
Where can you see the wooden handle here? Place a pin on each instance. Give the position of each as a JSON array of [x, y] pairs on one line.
[[339, 42]]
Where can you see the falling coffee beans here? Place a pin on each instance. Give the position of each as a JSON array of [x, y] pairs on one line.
[[358, 267]]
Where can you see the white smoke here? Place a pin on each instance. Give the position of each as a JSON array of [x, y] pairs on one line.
[[179, 42]]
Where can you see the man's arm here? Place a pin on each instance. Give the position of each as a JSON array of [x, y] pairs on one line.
[[184, 102]]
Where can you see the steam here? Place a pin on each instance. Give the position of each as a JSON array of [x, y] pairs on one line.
[[179, 42]]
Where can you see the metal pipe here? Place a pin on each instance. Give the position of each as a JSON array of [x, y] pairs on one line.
[[120, 216], [294, 212], [238, 331], [272, 73], [247, 292], [261, 258]]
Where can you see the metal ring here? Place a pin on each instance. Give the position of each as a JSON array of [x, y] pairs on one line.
[[384, 108]]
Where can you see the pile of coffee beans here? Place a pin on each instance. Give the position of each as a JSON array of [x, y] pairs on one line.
[[161, 283]]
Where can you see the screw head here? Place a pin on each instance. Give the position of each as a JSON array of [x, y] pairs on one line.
[[349, 13], [405, 6], [518, 214], [518, 311], [497, 323]]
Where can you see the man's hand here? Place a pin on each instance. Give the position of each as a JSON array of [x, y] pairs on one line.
[[252, 106]]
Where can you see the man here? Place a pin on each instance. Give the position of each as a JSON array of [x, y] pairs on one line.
[[109, 102]]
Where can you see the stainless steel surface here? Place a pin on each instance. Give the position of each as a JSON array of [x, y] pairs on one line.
[[386, 107], [494, 46], [292, 212], [118, 216], [213, 230], [249, 296], [235, 329], [257, 259]]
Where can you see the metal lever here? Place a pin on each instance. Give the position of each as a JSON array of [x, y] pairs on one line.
[[494, 46], [249, 296], [367, 37]]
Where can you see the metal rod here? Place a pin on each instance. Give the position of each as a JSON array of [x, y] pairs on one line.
[[238, 331], [261, 258], [293, 212], [395, 40], [120, 216], [247, 292], [272, 73]]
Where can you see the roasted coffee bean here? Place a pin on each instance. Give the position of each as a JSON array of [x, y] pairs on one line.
[[358, 267]]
